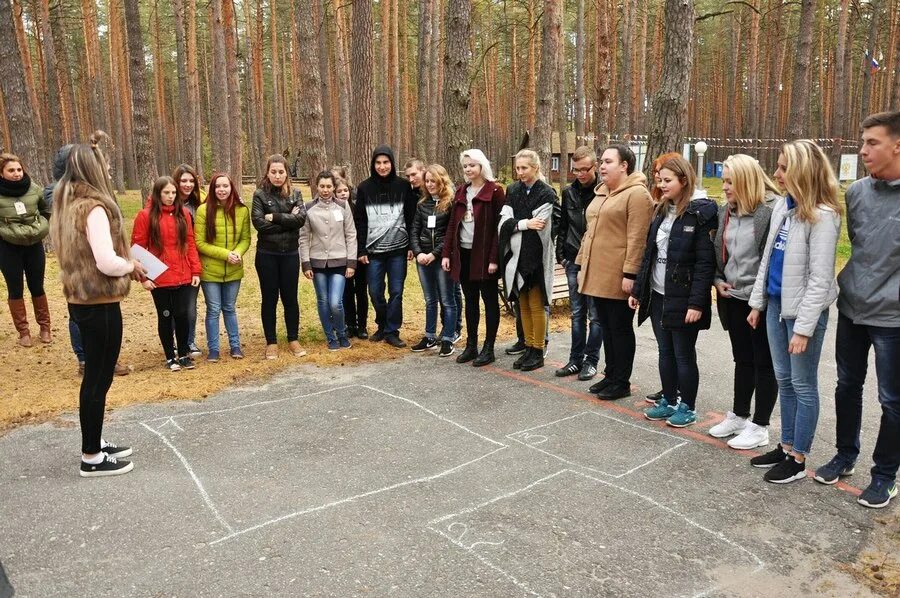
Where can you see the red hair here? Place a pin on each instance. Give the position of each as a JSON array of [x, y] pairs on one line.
[[657, 164], [212, 204]]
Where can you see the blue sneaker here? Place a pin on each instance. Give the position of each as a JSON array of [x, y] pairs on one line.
[[878, 494], [212, 356], [835, 469], [662, 410], [344, 342], [333, 344], [683, 416]]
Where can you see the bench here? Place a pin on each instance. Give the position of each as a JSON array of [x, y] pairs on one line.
[[560, 288]]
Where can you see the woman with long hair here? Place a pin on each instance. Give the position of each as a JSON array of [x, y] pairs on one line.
[[189, 191], [740, 239], [673, 288], [795, 286], [278, 215], [328, 257], [94, 263], [24, 222], [471, 253], [427, 242], [527, 253], [222, 234], [164, 228]]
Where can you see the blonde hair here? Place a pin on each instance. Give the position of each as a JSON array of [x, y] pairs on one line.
[[583, 152], [533, 160], [6, 158], [749, 182], [476, 155], [685, 173], [809, 178], [445, 187]]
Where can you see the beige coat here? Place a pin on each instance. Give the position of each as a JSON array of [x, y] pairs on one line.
[[613, 243], [328, 237]]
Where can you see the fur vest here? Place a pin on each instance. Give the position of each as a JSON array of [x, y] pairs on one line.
[[82, 282]]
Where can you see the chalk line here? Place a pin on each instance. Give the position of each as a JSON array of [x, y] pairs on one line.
[[206, 498]]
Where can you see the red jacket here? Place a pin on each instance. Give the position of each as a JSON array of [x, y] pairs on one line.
[[486, 207], [182, 266]]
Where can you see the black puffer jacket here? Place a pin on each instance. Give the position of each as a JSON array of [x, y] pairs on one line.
[[424, 239], [569, 219], [282, 234], [690, 267]]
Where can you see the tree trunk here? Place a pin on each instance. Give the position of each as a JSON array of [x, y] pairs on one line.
[[141, 110], [311, 147], [220, 130], [436, 85], [561, 118], [530, 91], [396, 97], [342, 70], [640, 118], [601, 118], [895, 94], [457, 136], [547, 80], [624, 106], [234, 89], [118, 127], [839, 102], [71, 122], [579, 73], [161, 151], [668, 124], [798, 124], [320, 40], [384, 6], [20, 122], [185, 130], [423, 85], [194, 125], [31, 86], [99, 117], [363, 131], [752, 112], [56, 133], [871, 44]]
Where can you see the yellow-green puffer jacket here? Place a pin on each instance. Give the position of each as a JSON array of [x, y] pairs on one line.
[[214, 256], [28, 228]]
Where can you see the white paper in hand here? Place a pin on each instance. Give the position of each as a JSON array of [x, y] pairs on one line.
[[149, 261]]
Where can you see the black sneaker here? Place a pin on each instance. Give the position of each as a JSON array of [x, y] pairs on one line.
[[114, 451], [186, 363], [597, 387], [109, 466], [878, 494], [194, 350], [654, 398], [447, 349], [456, 337], [394, 340], [172, 365], [423, 345], [362, 334], [570, 369], [517, 349], [378, 336], [615, 391], [789, 470], [588, 371], [770, 459]]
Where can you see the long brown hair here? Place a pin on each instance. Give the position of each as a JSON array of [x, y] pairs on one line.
[[156, 207], [266, 185], [193, 199], [445, 187], [685, 173], [213, 203]]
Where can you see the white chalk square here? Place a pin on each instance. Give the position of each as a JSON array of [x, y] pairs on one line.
[[599, 443]]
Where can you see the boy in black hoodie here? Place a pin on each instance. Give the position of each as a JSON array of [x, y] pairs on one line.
[[385, 207]]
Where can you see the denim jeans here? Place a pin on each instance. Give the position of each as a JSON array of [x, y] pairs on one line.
[[438, 288], [77, 343], [458, 302], [329, 284], [388, 313], [220, 297], [192, 294], [797, 376], [853, 344], [587, 335], [678, 369]]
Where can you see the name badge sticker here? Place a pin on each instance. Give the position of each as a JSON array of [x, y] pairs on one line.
[[432, 221], [20, 208], [338, 216], [688, 229]]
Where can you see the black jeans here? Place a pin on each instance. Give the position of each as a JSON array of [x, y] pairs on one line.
[[356, 298], [752, 362], [490, 295], [16, 260], [172, 309], [677, 356], [619, 345], [279, 274], [101, 331]]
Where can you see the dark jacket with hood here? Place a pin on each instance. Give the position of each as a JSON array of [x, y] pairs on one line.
[[384, 211], [690, 266], [282, 234], [425, 239], [570, 221], [59, 169]]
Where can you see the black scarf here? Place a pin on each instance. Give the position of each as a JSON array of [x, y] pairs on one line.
[[15, 188]]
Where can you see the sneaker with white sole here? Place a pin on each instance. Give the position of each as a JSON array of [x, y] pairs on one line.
[[732, 424], [115, 451], [108, 466], [683, 417], [878, 494], [834, 470], [789, 470], [662, 410], [447, 349], [750, 437], [172, 365]]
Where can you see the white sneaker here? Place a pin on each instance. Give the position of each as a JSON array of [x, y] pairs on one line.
[[732, 424], [751, 437]]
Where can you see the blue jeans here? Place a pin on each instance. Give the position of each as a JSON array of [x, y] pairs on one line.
[[387, 313], [192, 293], [585, 347], [329, 284], [853, 344], [77, 343], [438, 288], [220, 297], [797, 376]]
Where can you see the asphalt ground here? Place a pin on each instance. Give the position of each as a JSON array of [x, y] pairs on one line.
[[421, 477]]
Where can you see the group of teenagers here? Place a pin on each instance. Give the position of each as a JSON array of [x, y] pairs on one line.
[[769, 252]]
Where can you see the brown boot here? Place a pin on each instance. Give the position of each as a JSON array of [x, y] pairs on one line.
[[42, 315], [20, 320]]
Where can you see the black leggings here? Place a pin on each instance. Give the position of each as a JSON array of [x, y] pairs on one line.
[[490, 295], [16, 260], [173, 307], [101, 331], [279, 274], [356, 298]]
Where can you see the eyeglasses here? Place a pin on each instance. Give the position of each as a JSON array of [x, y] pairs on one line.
[[582, 170]]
